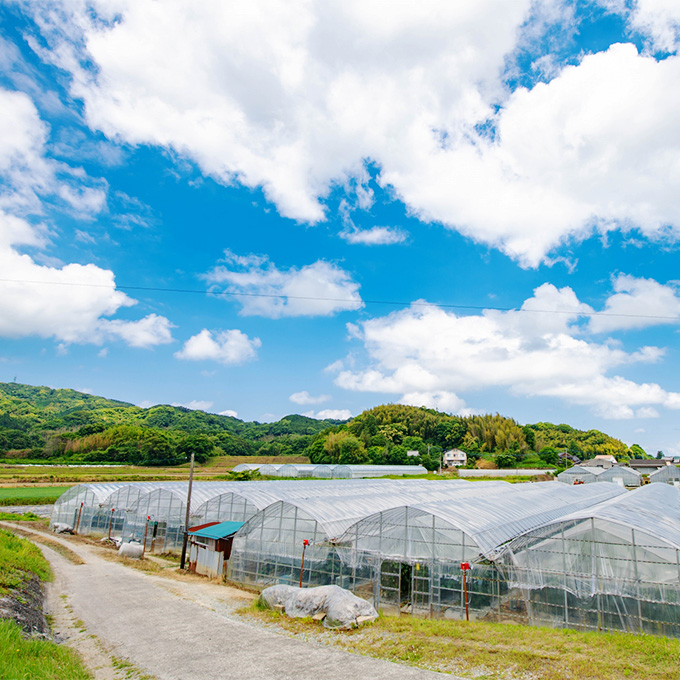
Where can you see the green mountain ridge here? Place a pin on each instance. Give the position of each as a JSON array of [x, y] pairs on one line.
[[46, 423]]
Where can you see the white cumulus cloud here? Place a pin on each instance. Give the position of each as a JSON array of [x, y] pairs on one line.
[[637, 303], [431, 357], [305, 398], [262, 289], [195, 405], [259, 95], [375, 236], [228, 347], [330, 413], [228, 412]]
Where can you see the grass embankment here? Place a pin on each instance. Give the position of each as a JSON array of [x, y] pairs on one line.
[[21, 657], [495, 650]]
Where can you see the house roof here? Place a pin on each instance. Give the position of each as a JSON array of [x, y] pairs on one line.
[[216, 530]]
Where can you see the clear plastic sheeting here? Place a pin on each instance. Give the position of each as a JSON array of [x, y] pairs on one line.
[[84, 507], [247, 467], [400, 541], [669, 474], [580, 475], [339, 608], [623, 476], [366, 471], [614, 566]]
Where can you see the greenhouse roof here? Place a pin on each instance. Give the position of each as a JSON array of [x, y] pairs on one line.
[[493, 515], [653, 508]]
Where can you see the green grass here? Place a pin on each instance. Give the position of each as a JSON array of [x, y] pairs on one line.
[[26, 659], [24, 517], [31, 495], [18, 559], [498, 650]]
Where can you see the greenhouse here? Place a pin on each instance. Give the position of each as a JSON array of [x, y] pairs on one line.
[[366, 471], [416, 549], [623, 476], [404, 544], [579, 475], [268, 548], [669, 474], [81, 507], [163, 510], [614, 566]]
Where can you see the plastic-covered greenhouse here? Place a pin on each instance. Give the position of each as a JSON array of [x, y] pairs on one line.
[[333, 471], [613, 566], [366, 471], [579, 475], [623, 476], [403, 543], [669, 474]]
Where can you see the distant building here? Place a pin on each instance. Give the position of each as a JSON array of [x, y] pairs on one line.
[[413, 454], [602, 461], [647, 465], [565, 456], [454, 458]]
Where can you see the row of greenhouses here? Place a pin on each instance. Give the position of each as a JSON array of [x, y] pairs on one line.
[[331, 471], [578, 474], [618, 474], [589, 556]]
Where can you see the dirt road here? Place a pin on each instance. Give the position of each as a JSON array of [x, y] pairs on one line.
[[183, 630]]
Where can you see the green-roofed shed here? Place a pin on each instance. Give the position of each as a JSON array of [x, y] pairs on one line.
[[210, 547]]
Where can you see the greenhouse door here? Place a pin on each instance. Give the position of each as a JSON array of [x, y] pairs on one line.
[[392, 584], [420, 590], [405, 587]]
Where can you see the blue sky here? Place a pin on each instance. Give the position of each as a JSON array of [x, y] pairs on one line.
[[296, 207]]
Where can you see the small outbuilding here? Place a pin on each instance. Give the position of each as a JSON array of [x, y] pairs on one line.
[[210, 547]]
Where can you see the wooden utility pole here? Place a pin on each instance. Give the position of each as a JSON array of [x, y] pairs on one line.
[[186, 519]]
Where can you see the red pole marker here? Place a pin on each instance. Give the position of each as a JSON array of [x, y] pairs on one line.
[[111, 521], [465, 567], [305, 543]]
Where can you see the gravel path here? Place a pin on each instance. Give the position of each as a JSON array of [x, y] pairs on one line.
[[185, 630]]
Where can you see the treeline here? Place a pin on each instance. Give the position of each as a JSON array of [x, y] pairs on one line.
[[48, 424], [43, 423], [385, 435]]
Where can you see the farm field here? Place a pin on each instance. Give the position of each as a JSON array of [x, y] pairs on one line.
[[30, 495], [48, 475]]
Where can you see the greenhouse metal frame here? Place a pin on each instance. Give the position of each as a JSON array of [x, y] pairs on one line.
[[580, 475], [614, 566], [624, 476], [669, 474]]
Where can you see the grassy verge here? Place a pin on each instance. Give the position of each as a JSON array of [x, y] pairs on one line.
[[488, 650], [22, 658], [69, 554], [18, 559]]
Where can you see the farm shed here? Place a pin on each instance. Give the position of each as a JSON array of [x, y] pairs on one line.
[[612, 566], [210, 547], [668, 474], [580, 475]]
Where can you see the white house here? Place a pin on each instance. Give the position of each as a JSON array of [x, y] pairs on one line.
[[454, 458]]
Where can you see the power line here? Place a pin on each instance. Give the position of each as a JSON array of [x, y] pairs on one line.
[[394, 303]]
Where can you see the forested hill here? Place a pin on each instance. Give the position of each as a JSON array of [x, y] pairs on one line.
[[44, 423], [40, 422]]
